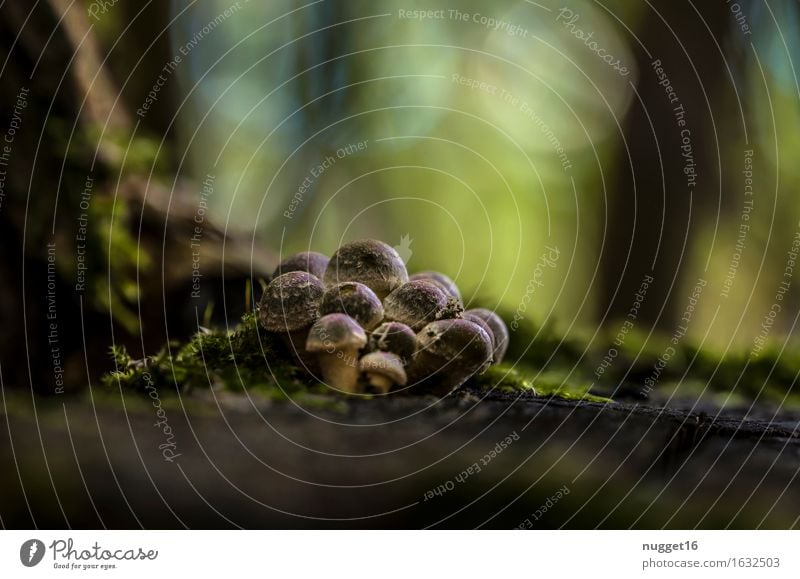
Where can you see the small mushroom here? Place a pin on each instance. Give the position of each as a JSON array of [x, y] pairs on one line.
[[336, 340], [418, 303], [354, 299], [308, 261], [383, 370], [441, 280], [450, 352], [368, 261], [499, 331], [396, 338], [289, 307]]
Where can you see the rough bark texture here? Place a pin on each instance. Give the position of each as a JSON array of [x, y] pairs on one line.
[[261, 464]]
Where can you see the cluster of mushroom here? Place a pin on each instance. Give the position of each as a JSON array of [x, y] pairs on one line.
[[362, 323]]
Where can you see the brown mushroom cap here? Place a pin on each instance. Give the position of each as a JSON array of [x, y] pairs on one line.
[[336, 332], [368, 261], [454, 338], [418, 303], [452, 351], [441, 280], [499, 331], [354, 299], [384, 364], [308, 261], [476, 319], [394, 337], [290, 302]]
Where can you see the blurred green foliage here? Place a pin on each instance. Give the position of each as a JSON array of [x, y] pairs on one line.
[[488, 148]]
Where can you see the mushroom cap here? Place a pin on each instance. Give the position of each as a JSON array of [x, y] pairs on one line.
[[384, 364], [418, 303], [438, 278], [335, 332], [462, 344], [354, 299], [367, 261], [308, 261], [476, 319], [394, 337], [499, 331], [290, 302]]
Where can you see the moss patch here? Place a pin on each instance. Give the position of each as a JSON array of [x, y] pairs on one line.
[[256, 361], [769, 375], [247, 359], [553, 384], [244, 358]]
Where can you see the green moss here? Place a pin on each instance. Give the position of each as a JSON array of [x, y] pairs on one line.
[[243, 358], [247, 359], [255, 361], [552, 384], [767, 376], [543, 345]]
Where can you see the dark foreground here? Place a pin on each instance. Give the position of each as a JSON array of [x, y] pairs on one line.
[[461, 462]]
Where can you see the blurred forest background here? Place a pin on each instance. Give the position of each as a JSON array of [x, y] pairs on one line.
[[477, 137]]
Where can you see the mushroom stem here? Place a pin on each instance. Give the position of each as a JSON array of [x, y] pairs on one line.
[[381, 383], [339, 369]]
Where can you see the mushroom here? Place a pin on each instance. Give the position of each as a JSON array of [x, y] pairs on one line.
[[289, 307], [441, 280], [396, 338], [336, 340], [476, 319], [354, 299], [383, 370], [368, 261], [499, 330], [418, 303], [450, 352], [308, 261]]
